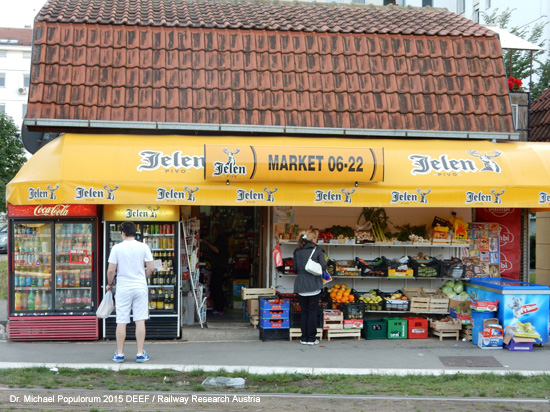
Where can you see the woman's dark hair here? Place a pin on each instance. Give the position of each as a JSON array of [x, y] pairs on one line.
[[302, 241], [128, 228]]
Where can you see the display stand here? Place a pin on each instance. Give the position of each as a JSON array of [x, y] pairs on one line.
[[191, 230]]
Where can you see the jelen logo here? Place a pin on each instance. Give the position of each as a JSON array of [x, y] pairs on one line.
[[230, 167], [446, 166]]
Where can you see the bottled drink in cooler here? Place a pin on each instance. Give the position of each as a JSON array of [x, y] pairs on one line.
[[152, 299], [24, 301], [78, 300], [18, 303], [87, 300], [44, 299], [60, 300], [69, 300], [37, 301], [160, 299], [30, 303]]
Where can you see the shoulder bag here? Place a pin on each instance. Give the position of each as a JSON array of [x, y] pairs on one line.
[[313, 267]]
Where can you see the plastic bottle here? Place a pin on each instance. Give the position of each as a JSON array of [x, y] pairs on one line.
[[30, 302], [37, 301], [78, 300], [24, 301], [69, 300], [18, 303], [60, 300], [88, 300]]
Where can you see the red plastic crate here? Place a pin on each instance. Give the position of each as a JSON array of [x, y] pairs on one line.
[[417, 328]]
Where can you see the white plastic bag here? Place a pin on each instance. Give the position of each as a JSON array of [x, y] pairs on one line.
[[221, 381], [106, 307]]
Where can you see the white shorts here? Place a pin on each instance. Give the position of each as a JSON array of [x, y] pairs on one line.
[[136, 300]]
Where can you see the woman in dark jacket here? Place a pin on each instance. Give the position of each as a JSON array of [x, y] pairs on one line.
[[307, 285]]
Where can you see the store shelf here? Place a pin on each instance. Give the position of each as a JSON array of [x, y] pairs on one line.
[[28, 288], [406, 311], [390, 245], [159, 235], [384, 277]]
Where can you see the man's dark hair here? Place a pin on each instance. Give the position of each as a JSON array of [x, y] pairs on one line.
[[128, 228]]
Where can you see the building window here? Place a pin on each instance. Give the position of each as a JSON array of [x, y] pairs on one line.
[[26, 80], [27, 55], [475, 16], [2, 108], [3, 53], [461, 6], [24, 110], [388, 2], [488, 4], [427, 3], [2, 79]]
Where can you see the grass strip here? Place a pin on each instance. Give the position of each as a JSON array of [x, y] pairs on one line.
[[459, 385]]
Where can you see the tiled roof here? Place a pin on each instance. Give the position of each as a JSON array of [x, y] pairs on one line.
[[243, 63], [23, 36], [262, 16], [539, 118]]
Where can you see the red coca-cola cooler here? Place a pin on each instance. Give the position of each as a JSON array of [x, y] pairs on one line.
[[52, 272]]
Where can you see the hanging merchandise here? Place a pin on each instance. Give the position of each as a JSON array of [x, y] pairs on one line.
[[277, 255], [191, 231]]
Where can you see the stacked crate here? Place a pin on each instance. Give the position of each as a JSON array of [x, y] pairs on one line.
[[274, 319], [250, 296], [333, 325], [296, 323], [397, 328]]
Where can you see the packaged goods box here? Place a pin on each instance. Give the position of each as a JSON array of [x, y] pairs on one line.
[[516, 343], [491, 337], [253, 307], [521, 305], [460, 310]]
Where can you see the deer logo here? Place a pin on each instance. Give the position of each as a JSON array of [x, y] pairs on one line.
[[153, 211], [497, 195], [423, 195], [110, 191], [52, 191], [230, 167], [270, 197], [489, 165], [347, 195], [190, 192]]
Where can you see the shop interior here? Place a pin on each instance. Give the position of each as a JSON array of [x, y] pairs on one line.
[[240, 236]]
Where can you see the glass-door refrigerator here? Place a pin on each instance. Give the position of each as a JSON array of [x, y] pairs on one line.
[[162, 237], [52, 273]]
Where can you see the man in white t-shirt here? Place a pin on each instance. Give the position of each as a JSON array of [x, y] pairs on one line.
[[132, 263]]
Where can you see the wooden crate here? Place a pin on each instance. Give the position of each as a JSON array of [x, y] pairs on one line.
[[343, 333], [297, 332], [466, 332], [439, 303], [333, 319], [450, 325], [419, 301], [254, 293], [446, 334]]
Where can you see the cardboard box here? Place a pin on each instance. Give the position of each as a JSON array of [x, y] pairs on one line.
[[491, 337], [253, 307], [483, 306], [459, 309], [514, 343], [353, 323]]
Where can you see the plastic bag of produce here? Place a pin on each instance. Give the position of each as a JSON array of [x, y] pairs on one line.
[[106, 306]]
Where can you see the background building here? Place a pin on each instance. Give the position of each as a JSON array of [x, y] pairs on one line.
[[15, 67]]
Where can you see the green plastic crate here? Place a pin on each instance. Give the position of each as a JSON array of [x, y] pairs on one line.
[[397, 328], [375, 329]]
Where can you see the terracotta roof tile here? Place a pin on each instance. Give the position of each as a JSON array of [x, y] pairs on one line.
[[23, 36], [540, 118], [305, 65]]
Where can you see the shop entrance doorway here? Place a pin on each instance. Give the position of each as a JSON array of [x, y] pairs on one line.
[[231, 253]]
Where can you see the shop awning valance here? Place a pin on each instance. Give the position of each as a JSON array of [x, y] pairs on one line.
[[268, 171]]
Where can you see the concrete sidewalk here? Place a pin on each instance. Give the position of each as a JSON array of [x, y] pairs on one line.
[[344, 355]]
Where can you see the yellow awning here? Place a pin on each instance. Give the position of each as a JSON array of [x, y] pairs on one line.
[[122, 169]]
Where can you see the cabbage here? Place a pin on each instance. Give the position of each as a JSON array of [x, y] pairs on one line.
[[447, 290], [450, 283], [459, 287], [464, 295]]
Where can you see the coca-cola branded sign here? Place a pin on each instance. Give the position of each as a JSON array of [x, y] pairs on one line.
[[509, 220], [53, 211]]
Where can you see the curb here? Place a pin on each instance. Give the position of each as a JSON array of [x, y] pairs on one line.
[[263, 370]]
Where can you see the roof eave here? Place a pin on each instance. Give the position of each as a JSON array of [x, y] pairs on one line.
[[243, 128]]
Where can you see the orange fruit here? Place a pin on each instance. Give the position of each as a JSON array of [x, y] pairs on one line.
[[351, 298]]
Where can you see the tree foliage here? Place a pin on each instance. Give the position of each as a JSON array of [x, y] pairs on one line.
[[12, 155], [518, 63]]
